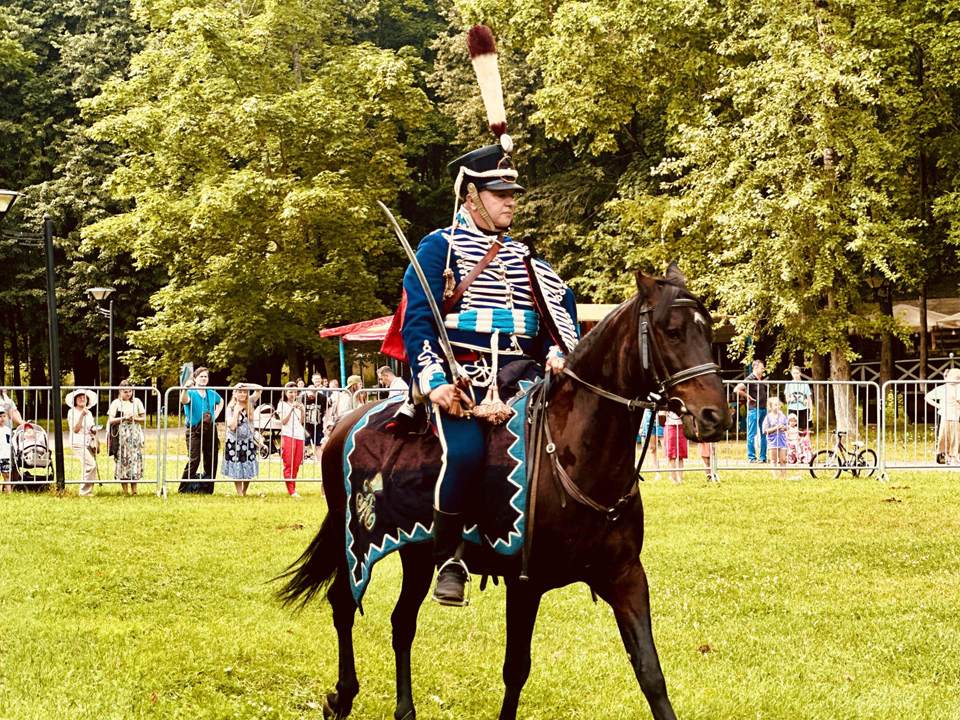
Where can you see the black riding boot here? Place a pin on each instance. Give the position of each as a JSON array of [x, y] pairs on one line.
[[453, 575]]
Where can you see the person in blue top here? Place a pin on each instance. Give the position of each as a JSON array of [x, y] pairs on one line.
[[201, 408], [799, 398], [516, 307]]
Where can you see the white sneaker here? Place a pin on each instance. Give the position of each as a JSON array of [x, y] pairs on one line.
[[295, 495]]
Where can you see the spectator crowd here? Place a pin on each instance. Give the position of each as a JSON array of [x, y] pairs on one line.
[[296, 428]]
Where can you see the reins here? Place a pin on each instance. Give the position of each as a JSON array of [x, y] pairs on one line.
[[539, 400]]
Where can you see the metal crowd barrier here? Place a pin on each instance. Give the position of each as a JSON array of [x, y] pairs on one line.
[[208, 442], [108, 472], [32, 457], [35, 467], [920, 424], [856, 428], [372, 394], [837, 424]]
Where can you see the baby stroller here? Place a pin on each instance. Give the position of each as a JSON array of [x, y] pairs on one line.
[[267, 431], [800, 453], [31, 456]]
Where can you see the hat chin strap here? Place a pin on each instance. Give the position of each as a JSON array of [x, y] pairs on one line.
[[482, 209]]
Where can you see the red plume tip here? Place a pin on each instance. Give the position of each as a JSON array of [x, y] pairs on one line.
[[480, 41], [499, 129]]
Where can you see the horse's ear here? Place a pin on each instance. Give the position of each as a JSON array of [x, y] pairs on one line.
[[674, 275], [645, 284]]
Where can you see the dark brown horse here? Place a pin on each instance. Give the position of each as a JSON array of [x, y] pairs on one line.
[[657, 340]]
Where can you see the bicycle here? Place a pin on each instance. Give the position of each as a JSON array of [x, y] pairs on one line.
[[830, 463]]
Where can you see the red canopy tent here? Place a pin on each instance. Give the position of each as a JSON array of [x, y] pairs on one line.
[[366, 330], [375, 329]]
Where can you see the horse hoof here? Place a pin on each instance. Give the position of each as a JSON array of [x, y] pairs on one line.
[[329, 702]]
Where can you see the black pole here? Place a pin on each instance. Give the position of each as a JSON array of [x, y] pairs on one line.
[[56, 400], [110, 374]]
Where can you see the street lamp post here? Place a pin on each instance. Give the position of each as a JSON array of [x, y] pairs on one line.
[[7, 199], [878, 283], [98, 294]]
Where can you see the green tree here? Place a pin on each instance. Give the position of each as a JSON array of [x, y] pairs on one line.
[[255, 140], [782, 151], [74, 46]]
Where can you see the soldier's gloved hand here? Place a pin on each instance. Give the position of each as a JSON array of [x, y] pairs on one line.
[[443, 396], [556, 364]]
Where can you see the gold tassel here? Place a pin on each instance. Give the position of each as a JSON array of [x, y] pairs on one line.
[[493, 409], [448, 283]]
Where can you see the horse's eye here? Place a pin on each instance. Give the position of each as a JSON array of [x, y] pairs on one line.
[[673, 333]]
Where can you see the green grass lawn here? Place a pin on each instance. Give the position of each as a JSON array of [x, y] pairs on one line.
[[816, 599]]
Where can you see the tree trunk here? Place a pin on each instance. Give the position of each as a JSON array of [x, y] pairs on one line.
[[294, 361], [924, 337], [886, 341], [844, 402], [15, 356], [86, 370], [844, 398], [297, 66], [820, 370]]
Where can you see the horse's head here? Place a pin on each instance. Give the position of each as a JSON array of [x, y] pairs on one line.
[[674, 332]]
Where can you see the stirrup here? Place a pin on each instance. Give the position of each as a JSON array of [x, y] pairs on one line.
[[467, 585]]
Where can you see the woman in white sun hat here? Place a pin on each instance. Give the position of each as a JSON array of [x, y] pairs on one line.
[[83, 436]]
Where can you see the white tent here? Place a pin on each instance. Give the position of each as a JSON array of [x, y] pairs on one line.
[[909, 315]]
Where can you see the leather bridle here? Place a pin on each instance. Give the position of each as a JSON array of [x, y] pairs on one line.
[[650, 358], [538, 402]]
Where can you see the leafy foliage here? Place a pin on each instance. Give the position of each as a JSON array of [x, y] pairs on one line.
[[256, 142], [783, 151]]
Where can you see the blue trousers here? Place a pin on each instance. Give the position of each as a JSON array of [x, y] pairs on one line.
[[755, 425], [463, 460]]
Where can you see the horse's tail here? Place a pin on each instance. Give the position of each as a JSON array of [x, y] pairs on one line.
[[316, 568]]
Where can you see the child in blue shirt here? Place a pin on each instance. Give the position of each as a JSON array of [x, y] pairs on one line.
[[775, 430]]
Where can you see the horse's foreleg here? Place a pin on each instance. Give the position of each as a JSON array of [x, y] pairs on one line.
[[339, 704], [417, 573], [523, 602], [630, 598]]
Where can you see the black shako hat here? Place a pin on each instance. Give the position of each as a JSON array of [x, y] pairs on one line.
[[479, 167]]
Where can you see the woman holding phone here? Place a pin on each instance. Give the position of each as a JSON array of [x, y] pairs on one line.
[[291, 413]]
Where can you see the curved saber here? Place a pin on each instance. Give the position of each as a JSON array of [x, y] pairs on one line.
[[438, 319]]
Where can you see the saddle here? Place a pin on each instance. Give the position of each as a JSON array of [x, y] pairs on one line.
[[390, 480]]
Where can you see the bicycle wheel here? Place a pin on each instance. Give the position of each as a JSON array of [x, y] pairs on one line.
[[825, 464], [866, 463]]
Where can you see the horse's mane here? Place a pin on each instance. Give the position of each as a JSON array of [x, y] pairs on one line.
[[587, 343], [670, 290]]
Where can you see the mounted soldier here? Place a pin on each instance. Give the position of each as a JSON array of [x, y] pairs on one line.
[[475, 294]]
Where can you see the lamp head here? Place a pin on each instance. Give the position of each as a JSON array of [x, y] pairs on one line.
[[7, 200], [101, 293]]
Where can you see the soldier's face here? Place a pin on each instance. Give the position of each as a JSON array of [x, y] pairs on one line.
[[500, 204]]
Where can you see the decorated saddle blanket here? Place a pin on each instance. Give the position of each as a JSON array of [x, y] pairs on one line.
[[390, 484]]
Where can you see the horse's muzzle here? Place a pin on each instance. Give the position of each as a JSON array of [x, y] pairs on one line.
[[707, 425]]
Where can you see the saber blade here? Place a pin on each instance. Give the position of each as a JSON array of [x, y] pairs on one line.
[[437, 318]]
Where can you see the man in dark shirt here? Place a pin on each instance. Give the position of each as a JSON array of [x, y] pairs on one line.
[[755, 391]]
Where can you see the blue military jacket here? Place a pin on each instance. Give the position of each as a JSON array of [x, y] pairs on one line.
[[500, 299]]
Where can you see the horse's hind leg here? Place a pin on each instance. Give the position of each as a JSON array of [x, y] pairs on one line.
[[523, 602], [339, 704], [417, 573], [629, 596]]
